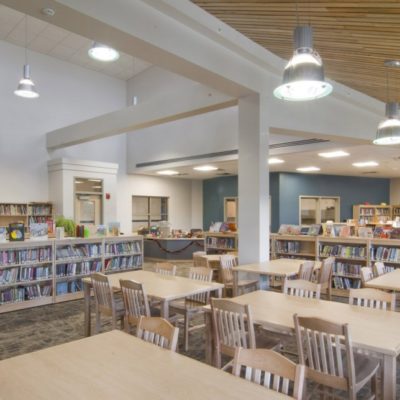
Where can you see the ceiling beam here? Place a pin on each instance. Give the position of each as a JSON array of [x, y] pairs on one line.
[[194, 101]]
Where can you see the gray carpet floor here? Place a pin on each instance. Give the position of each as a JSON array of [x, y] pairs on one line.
[[37, 328]]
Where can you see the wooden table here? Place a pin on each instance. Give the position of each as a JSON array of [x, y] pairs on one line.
[[373, 330], [389, 281], [281, 267], [115, 365], [160, 287]]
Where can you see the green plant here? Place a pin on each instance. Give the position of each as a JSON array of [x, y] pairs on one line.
[[68, 225]]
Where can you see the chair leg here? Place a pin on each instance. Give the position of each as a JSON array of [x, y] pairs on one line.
[[98, 321], [186, 330]]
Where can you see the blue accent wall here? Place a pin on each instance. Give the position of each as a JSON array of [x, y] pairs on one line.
[[351, 190], [285, 189]]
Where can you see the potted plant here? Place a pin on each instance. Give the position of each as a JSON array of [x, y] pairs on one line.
[[68, 225]]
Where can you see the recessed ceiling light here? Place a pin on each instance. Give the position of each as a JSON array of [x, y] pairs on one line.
[[101, 52], [333, 154], [365, 164], [308, 169], [78, 181], [94, 180], [205, 168], [275, 161], [168, 172]]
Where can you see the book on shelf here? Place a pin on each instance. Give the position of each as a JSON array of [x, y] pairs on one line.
[[16, 232], [13, 210], [286, 229], [22, 256], [78, 250], [38, 231], [315, 230], [365, 232], [121, 263], [3, 234]]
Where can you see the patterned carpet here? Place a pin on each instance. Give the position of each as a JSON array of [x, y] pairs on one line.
[[37, 328]]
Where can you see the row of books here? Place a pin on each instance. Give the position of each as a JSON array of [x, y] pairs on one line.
[[346, 283], [82, 268], [40, 209], [385, 254], [69, 287], [24, 256], [343, 251], [18, 294], [287, 246], [40, 220], [346, 268], [79, 250], [13, 209], [123, 263], [122, 248], [228, 243], [24, 274]]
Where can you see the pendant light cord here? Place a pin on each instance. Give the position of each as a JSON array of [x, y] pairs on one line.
[[297, 14], [26, 39], [387, 85]]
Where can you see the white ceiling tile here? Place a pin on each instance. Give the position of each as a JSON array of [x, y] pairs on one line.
[[75, 41], [62, 52], [42, 44], [54, 33]]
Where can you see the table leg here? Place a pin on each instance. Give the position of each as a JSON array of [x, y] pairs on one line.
[[165, 309], [208, 341], [389, 377], [87, 322]]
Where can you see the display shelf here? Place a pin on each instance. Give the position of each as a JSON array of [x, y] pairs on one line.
[[372, 214], [216, 242], [62, 277]]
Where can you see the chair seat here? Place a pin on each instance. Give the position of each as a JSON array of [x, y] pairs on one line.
[[186, 305], [243, 283]]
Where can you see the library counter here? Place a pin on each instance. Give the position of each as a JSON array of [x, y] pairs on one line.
[[169, 249]]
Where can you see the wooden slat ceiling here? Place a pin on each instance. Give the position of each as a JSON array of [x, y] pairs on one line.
[[352, 37]]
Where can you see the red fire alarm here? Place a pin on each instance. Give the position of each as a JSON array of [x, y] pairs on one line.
[[108, 196]]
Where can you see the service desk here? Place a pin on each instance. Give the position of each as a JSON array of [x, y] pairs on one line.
[[172, 248]]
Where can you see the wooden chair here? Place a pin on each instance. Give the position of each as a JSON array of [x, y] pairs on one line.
[[270, 369], [373, 298], [366, 275], [135, 301], [158, 331], [325, 276], [165, 268], [379, 269], [306, 270], [199, 260], [232, 328], [325, 348], [193, 305], [302, 288], [227, 262], [105, 302]]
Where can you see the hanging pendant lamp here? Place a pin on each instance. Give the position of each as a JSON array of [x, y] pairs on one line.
[[26, 87], [388, 131], [303, 76]]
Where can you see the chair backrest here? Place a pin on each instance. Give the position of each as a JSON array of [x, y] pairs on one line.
[[302, 288], [199, 260], [366, 275], [135, 301], [325, 272], [233, 326], [326, 350], [204, 275], [103, 294], [379, 268], [165, 268], [372, 298], [270, 369], [227, 262], [306, 270], [158, 331]]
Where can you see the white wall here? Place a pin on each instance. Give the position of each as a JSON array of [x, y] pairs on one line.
[[395, 191], [68, 94]]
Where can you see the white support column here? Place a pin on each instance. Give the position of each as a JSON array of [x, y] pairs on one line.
[[253, 180]]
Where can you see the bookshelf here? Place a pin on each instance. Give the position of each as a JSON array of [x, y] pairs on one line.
[[290, 246], [34, 273], [27, 213], [372, 214], [220, 242], [387, 251]]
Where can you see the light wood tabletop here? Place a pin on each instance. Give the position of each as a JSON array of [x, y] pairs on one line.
[[161, 287], [389, 281], [115, 365], [280, 267], [371, 329]]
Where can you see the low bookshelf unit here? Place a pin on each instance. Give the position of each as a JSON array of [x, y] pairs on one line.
[[220, 242]]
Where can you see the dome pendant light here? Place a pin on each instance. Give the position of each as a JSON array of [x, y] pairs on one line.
[[388, 131], [303, 76], [26, 87], [101, 52]]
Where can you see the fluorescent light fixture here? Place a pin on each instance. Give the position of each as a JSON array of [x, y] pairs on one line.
[[308, 169], [101, 52], [205, 168], [97, 187], [26, 87], [333, 154], [303, 76], [365, 164], [94, 180], [78, 181], [275, 161], [168, 172]]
